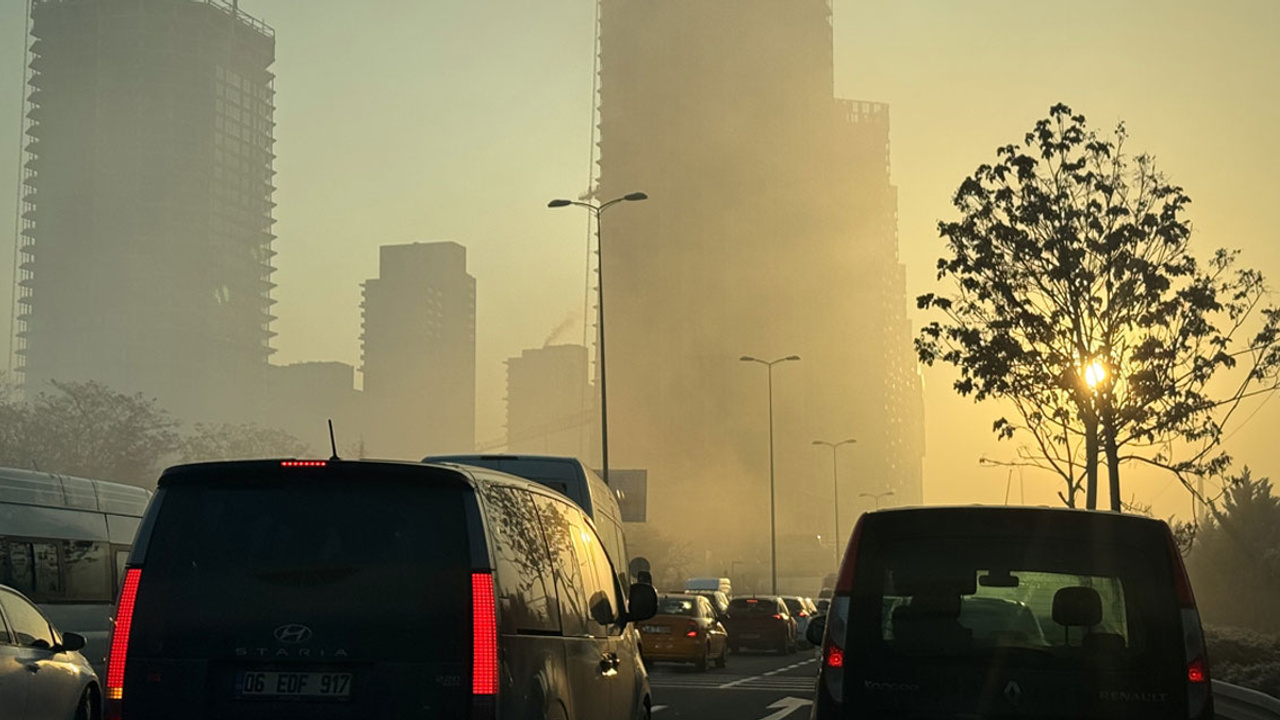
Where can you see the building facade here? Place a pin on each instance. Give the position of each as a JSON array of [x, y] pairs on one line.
[[419, 352], [551, 406], [146, 239], [771, 230]]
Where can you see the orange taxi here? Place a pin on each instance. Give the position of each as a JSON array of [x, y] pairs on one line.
[[684, 630]]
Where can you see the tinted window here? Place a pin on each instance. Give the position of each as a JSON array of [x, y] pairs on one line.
[[88, 571], [967, 596], [558, 525], [30, 628], [360, 559], [598, 581], [794, 606], [616, 546], [525, 592], [560, 475]]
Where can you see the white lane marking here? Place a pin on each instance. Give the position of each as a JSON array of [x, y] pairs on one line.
[[786, 706], [657, 708], [788, 668]]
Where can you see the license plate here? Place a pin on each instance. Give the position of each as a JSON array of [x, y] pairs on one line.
[[657, 630], [293, 684]]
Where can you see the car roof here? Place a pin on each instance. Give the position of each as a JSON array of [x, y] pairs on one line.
[[942, 520], [201, 472]]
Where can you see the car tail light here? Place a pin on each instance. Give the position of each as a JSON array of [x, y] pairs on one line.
[[693, 630], [834, 657], [1199, 697], [777, 616], [484, 633], [120, 641], [804, 613]]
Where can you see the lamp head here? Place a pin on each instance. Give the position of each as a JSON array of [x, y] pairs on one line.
[[633, 197], [560, 202]]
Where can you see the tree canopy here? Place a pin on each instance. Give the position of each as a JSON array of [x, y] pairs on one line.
[[87, 429], [242, 441], [1077, 298]]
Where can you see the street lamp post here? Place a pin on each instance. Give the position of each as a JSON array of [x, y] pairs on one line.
[[835, 486], [773, 523], [877, 496], [596, 211]]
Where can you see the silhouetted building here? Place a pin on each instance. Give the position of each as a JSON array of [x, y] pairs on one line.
[[146, 202], [551, 407], [771, 231], [419, 351], [306, 395]]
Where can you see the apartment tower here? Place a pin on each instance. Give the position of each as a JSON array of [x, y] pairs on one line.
[[146, 196]]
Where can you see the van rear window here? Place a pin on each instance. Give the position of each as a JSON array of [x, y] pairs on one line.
[[365, 565], [1055, 600]]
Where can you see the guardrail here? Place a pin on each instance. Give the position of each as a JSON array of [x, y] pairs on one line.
[[1232, 702]]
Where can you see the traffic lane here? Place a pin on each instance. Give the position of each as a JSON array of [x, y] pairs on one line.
[[751, 687]]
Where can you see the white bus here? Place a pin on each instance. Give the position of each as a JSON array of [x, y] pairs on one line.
[[63, 543]]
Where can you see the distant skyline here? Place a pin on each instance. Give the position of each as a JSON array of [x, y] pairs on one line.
[[454, 120]]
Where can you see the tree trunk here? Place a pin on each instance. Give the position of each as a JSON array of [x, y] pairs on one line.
[[1113, 456], [1091, 461]]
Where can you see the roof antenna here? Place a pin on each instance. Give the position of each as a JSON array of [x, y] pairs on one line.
[[333, 443]]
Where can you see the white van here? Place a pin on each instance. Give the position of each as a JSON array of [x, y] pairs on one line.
[[709, 584]]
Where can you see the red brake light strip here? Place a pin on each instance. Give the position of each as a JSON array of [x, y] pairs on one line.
[[120, 638], [484, 631]]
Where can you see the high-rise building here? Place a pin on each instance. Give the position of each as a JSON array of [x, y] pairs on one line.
[[551, 407], [419, 352], [146, 202], [771, 230], [305, 396]]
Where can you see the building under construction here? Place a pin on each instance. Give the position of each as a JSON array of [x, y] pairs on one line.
[[771, 231], [145, 246]]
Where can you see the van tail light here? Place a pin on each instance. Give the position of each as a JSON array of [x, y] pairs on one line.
[[844, 585], [484, 647], [1199, 690], [120, 642], [777, 616], [692, 632], [831, 677], [484, 634]]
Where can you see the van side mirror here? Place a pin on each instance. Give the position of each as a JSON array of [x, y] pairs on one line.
[[817, 626], [71, 642], [643, 603]]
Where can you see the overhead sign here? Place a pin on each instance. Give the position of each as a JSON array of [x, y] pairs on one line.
[[631, 487]]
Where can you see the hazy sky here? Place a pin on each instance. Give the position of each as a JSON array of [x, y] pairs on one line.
[[451, 119]]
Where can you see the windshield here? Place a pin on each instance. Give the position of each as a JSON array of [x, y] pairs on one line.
[[677, 606]]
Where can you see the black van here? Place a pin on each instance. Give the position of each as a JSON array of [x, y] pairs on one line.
[[989, 612], [335, 589]]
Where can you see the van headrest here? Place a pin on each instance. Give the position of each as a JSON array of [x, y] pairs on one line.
[[1077, 607]]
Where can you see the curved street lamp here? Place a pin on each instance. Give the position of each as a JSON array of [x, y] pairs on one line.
[[835, 486], [596, 211], [773, 526], [877, 496]]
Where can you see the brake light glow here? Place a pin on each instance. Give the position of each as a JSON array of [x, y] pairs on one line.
[[693, 630], [804, 613], [844, 585], [1195, 671], [835, 657], [484, 632], [303, 463], [777, 616], [752, 601], [120, 637]]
